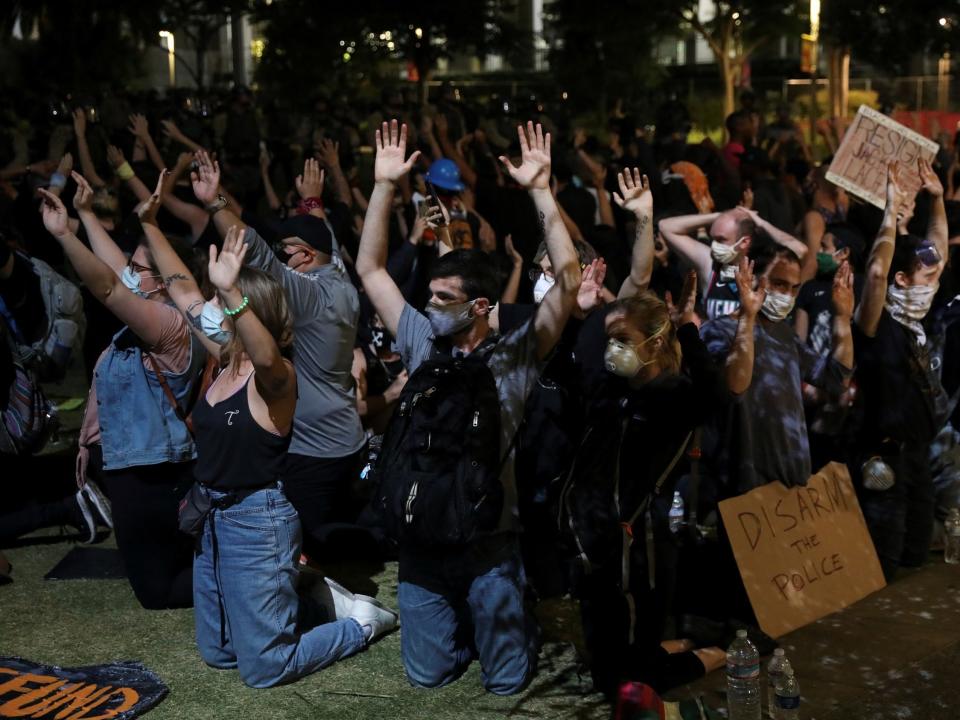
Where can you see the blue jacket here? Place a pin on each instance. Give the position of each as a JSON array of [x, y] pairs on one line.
[[138, 426]]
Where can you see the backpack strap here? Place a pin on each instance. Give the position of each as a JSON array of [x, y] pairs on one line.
[[171, 398]]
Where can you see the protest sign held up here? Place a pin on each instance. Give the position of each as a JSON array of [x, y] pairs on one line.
[[871, 143], [803, 552]]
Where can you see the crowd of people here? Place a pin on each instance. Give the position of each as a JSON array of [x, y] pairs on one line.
[[498, 349]]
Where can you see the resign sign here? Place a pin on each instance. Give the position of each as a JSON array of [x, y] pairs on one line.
[[871, 143], [803, 552]]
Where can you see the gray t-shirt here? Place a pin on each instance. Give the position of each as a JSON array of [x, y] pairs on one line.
[[325, 309], [515, 368], [767, 435]]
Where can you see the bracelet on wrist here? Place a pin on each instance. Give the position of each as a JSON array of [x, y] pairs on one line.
[[237, 310], [57, 180], [307, 204], [125, 172], [217, 205]]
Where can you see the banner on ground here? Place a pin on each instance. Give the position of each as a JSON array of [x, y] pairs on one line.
[[120, 690], [803, 552], [872, 142]]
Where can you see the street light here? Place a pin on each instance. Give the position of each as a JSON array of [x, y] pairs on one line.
[[167, 36]]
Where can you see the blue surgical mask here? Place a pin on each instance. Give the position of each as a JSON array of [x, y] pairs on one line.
[[211, 319], [132, 280]]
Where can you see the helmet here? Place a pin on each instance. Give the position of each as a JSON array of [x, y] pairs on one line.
[[445, 174]]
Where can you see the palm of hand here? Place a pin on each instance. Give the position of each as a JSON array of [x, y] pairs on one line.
[[389, 164], [534, 170], [224, 272], [639, 201], [205, 189]]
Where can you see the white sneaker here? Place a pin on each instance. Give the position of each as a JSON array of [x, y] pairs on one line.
[[99, 503], [374, 618], [333, 597]]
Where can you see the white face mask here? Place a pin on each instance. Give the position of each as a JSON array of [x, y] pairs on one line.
[[211, 320], [723, 253], [544, 283], [131, 280], [912, 302], [621, 359], [776, 306]]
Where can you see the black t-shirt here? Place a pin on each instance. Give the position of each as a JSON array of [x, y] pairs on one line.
[[815, 299], [900, 401]]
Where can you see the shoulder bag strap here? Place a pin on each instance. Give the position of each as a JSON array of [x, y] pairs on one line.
[[177, 410]]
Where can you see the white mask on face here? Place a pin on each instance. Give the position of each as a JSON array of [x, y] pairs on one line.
[[211, 319], [446, 320], [723, 253], [544, 283], [131, 280], [909, 305], [776, 306]]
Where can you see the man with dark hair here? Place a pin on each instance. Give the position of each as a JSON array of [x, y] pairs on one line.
[[904, 404], [461, 600]]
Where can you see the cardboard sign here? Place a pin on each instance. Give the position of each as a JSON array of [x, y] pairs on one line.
[[120, 690], [872, 142], [803, 552]]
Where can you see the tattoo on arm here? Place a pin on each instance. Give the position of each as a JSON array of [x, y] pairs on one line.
[[642, 223], [542, 224], [171, 278]]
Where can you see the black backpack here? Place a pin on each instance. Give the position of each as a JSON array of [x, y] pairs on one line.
[[438, 473]]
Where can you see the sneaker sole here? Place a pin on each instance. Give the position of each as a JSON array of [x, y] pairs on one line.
[[87, 517], [100, 502]]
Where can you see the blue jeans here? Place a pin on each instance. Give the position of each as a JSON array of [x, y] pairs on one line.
[[247, 612], [457, 604]]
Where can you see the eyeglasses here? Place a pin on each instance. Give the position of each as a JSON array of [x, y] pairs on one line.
[[535, 273], [928, 255], [138, 268]]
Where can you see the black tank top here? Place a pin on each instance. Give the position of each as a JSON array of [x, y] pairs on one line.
[[722, 297], [233, 451]]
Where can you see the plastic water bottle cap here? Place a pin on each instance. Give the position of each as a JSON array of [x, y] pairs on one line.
[[778, 652], [741, 633]]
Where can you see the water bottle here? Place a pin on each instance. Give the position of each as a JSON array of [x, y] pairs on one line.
[[743, 679], [788, 696], [676, 513], [778, 663], [951, 531]]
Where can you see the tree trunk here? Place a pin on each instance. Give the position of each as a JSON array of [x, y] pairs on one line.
[[728, 75], [239, 51]]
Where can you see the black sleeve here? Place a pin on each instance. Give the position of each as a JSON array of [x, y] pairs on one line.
[[400, 268], [23, 298], [709, 386], [513, 316], [269, 231]]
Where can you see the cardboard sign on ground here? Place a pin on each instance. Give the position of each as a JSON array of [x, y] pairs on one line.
[[803, 552], [873, 141]]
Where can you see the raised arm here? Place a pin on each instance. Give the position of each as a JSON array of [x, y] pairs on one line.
[[874, 294], [739, 368], [388, 168], [123, 170], [101, 243], [83, 149], [206, 187], [171, 130], [196, 217], [510, 292], [842, 297], [140, 129], [534, 175], [142, 316], [329, 157], [937, 225], [635, 197], [272, 200], [452, 151], [275, 378], [677, 232]]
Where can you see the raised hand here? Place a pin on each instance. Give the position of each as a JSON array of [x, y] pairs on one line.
[[224, 268], [842, 293], [83, 198], [206, 178], [746, 201], [929, 179], [66, 165], [54, 214], [590, 294], [751, 300], [512, 253], [171, 130], [389, 165], [79, 122], [634, 195], [138, 126], [683, 312], [115, 156], [534, 170], [148, 209], [310, 183], [328, 153], [895, 191]]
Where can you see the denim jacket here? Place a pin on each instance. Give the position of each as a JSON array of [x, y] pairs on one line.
[[138, 425]]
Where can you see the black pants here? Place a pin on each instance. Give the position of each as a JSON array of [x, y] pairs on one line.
[[39, 492], [157, 556], [320, 490]]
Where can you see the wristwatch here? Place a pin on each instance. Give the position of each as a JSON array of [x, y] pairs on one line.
[[217, 205]]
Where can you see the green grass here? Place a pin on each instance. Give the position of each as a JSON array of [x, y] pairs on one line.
[[85, 622]]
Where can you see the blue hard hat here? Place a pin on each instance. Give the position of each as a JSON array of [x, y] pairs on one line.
[[445, 175]]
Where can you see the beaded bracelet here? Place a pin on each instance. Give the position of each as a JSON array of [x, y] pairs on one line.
[[239, 309]]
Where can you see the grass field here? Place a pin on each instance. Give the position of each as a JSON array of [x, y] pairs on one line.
[[85, 622]]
